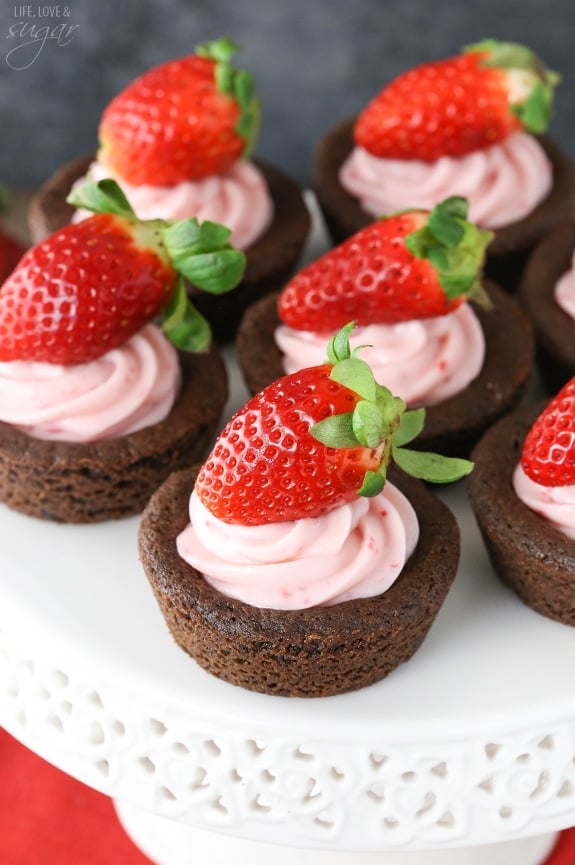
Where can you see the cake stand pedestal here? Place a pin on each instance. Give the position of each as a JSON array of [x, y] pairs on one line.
[[470, 743], [166, 843]]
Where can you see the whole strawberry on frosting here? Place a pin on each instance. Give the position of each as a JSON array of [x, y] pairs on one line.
[[312, 441], [409, 265], [548, 455], [186, 119], [455, 106], [89, 287]]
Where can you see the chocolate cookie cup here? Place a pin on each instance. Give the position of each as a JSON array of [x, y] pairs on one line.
[[317, 652], [507, 253], [530, 556], [554, 329], [270, 262], [113, 478], [452, 426]]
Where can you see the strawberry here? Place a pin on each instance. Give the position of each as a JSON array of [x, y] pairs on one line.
[[548, 455], [455, 106], [412, 264], [184, 120], [90, 286], [313, 440]]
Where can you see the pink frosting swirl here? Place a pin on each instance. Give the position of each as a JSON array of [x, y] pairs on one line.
[[423, 361], [238, 199], [502, 183], [554, 504], [128, 388], [565, 291], [354, 551]]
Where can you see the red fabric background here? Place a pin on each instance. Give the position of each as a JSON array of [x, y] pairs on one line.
[[48, 818]]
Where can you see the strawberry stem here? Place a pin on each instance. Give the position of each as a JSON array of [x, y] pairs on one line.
[[184, 326], [236, 83], [380, 422], [456, 248]]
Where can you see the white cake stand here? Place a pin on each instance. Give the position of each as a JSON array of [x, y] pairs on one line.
[[472, 743]]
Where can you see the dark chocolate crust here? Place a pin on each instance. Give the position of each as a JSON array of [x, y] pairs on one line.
[[317, 652], [109, 479], [454, 425], [554, 329], [511, 245], [270, 261], [535, 560]]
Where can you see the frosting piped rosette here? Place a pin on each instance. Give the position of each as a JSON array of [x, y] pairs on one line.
[[126, 389], [503, 183], [354, 551]]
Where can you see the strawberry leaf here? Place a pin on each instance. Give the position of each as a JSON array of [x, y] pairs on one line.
[[338, 347], [183, 325], [221, 50], [367, 421], [444, 221], [201, 252], [236, 83], [410, 425], [192, 236], [224, 78], [535, 112], [434, 468], [357, 376], [373, 483], [455, 248], [336, 431], [102, 197]]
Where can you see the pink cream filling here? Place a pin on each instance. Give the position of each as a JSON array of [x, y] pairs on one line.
[[354, 551], [238, 199], [424, 361], [128, 388], [565, 291], [502, 183], [554, 504]]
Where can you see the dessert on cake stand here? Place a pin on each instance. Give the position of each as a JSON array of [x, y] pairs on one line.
[[464, 755]]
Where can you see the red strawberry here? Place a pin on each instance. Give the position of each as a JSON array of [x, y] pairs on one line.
[[11, 251], [312, 441], [89, 287], [455, 106], [408, 265], [184, 120], [548, 455]]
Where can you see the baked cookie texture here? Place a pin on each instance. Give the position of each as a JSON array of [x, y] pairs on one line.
[[554, 329], [316, 652], [452, 426], [530, 556], [113, 478], [508, 251], [270, 261]]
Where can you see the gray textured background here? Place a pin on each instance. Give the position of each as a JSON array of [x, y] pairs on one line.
[[315, 62]]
